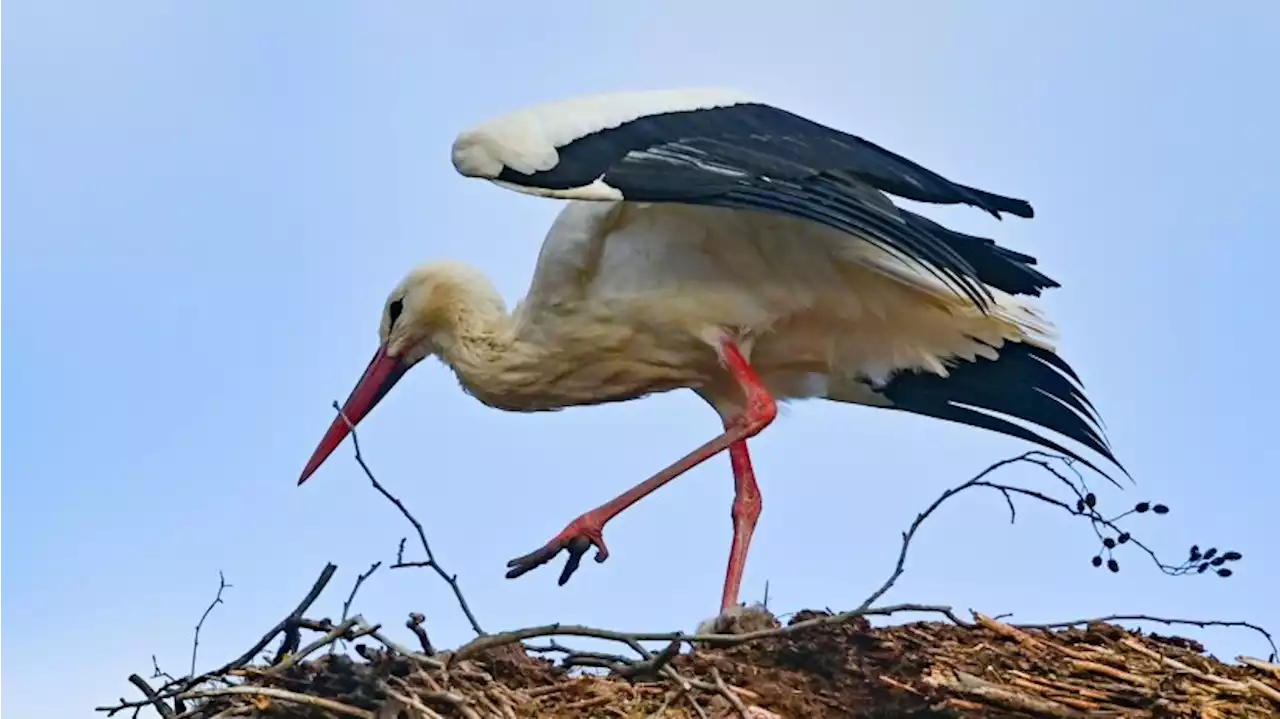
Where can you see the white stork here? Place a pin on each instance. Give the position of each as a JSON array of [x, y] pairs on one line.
[[716, 243]]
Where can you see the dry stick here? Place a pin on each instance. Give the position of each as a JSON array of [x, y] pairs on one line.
[[360, 579], [1201, 623], [342, 631], [1036, 457], [195, 641], [430, 662], [910, 534], [729, 696], [291, 624], [351, 598], [414, 624], [431, 563], [292, 620], [154, 698], [632, 639], [285, 696], [157, 672]]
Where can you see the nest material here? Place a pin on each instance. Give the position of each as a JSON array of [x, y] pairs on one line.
[[924, 669]]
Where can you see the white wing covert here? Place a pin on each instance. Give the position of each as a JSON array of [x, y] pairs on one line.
[[722, 149]]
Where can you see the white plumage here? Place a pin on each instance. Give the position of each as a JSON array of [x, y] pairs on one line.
[[528, 141], [716, 243]]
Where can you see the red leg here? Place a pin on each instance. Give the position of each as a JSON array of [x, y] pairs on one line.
[[746, 510], [588, 530]]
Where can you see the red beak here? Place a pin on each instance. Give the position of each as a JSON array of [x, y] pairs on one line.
[[379, 377]]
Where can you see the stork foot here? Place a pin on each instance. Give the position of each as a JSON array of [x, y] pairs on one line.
[[581, 534]]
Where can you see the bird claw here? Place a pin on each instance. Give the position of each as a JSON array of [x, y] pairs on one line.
[[577, 538]]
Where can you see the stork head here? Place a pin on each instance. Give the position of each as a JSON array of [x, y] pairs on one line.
[[420, 314]]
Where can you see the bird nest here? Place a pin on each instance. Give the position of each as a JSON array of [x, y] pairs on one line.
[[748, 663], [817, 665]]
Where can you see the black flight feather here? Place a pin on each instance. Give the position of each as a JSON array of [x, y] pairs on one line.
[[1026, 382], [759, 157]]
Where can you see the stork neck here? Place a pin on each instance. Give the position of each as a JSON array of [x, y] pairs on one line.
[[482, 350]]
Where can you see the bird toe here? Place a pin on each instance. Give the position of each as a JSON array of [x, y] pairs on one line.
[[575, 544]]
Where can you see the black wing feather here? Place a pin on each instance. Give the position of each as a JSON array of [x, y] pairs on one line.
[[755, 156], [1000, 267], [1024, 381]]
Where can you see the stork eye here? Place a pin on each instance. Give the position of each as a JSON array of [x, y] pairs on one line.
[[393, 312]]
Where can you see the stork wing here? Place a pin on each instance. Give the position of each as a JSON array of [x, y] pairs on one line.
[[723, 149]]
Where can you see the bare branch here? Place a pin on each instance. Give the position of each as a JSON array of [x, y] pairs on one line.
[[195, 641], [290, 624], [152, 696], [293, 620], [286, 696], [360, 579], [1085, 506], [348, 630], [729, 696], [414, 624], [157, 672], [351, 598], [632, 639], [431, 563], [1201, 623]]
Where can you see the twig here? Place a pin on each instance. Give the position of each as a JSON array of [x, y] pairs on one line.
[[170, 691], [157, 672], [650, 667], [414, 624], [360, 579], [410, 701], [290, 624], [285, 696], [450, 579], [195, 641], [729, 696], [457, 701], [1201, 623], [492, 641], [341, 631], [666, 701], [152, 697], [351, 598], [404, 651], [1084, 507], [693, 702]]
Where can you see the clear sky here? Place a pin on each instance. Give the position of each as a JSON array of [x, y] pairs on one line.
[[208, 203]]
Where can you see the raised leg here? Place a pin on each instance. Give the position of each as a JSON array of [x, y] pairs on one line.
[[746, 510], [588, 530]]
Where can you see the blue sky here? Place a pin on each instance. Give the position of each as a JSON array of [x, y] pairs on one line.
[[209, 201]]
